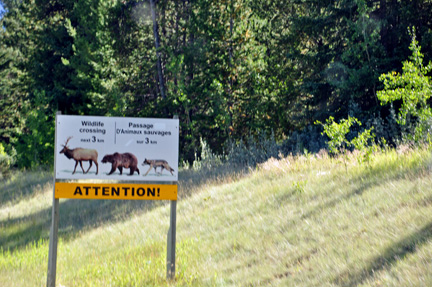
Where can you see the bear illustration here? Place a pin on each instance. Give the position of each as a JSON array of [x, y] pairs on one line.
[[120, 161]]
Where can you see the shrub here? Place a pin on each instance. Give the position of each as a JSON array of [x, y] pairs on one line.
[[338, 142], [6, 162], [413, 88]]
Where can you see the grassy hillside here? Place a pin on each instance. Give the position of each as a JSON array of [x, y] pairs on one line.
[[305, 221]]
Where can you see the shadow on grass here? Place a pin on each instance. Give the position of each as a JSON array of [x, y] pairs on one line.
[[82, 215], [22, 185], [75, 215], [191, 181], [398, 251], [361, 185]]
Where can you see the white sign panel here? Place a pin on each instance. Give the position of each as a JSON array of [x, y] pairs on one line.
[[132, 149]]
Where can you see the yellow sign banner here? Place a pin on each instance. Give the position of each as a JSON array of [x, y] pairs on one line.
[[115, 191]]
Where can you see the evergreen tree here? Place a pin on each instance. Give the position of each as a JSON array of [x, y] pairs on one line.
[[231, 69], [15, 48]]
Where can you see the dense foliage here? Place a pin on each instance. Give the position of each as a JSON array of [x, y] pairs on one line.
[[230, 69]]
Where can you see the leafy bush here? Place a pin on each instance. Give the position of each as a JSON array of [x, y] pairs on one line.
[[337, 133], [6, 161], [363, 144], [413, 88], [338, 142]]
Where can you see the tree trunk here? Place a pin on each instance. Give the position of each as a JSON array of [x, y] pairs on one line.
[[157, 45]]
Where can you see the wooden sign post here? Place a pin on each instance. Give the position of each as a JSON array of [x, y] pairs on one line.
[[125, 145], [55, 217], [171, 244], [171, 240]]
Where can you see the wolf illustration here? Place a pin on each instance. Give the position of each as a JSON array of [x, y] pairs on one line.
[[120, 161], [154, 163]]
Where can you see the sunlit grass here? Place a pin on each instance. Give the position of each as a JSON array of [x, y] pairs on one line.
[[296, 221]]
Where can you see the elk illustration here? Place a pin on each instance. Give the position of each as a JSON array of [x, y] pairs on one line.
[[80, 155]]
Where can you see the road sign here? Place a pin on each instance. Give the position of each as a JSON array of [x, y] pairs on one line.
[[113, 148], [116, 191], [121, 149]]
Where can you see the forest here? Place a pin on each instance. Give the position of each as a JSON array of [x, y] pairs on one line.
[[233, 71]]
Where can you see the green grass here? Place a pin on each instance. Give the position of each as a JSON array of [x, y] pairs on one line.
[[298, 221]]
